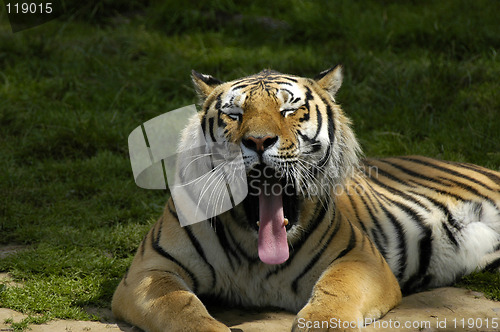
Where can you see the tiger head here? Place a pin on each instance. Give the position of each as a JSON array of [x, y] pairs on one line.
[[295, 140]]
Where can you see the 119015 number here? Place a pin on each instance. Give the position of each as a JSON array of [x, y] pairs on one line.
[[29, 8]]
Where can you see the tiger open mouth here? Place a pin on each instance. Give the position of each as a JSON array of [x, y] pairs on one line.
[[272, 207]]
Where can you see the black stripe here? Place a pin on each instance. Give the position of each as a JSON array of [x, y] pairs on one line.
[[413, 173], [450, 235], [204, 123], [200, 251], [159, 249], [397, 192], [374, 250], [309, 94], [439, 191], [325, 233], [471, 189], [356, 213], [220, 122], [315, 144], [452, 222], [224, 243], [240, 86], [319, 214], [211, 129], [318, 255], [306, 116], [387, 174], [378, 196], [290, 79], [419, 280], [403, 257], [322, 162], [380, 244], [441, 207], [240, 250], [291, 95], [369, 194], [218, 104], [425, 178], [331, 125], [350, 245], [486, 172], [319, 120], [424, 245], [380, 231], [206, 107], [374, 236], [447, 170], [281, 83]]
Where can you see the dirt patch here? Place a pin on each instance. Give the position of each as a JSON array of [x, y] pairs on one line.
[[7, 280], [7, 250], [443, 309], [63, 325], [10, 249]]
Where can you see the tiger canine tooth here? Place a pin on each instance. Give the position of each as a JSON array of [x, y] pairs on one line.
[[258, 223], [285, 222]]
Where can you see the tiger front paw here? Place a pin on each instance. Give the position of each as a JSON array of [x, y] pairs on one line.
[[314, 318], [194, 318], [207, 325]]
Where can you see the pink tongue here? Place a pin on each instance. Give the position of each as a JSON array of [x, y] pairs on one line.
[[273, 246]]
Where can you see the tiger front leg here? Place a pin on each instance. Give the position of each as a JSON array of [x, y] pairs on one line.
[[161, 301], [348, 293]]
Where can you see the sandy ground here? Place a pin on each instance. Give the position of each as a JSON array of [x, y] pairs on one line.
[[443, 309]]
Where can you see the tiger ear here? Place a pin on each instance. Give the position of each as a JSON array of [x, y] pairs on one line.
[[330, 79], [204, 84]]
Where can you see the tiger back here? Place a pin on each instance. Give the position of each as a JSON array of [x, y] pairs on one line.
[[320, 233]]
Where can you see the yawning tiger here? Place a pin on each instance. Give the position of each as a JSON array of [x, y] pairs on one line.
[[320, 232]]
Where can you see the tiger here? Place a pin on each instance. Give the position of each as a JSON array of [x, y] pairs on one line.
[[345, 236]]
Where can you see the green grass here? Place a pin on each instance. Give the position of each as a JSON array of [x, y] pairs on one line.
[[484, 281], [419, 79]]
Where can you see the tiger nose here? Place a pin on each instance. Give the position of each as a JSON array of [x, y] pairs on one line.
[[259, 144]]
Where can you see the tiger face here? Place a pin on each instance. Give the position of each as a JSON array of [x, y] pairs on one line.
[[295, 141]]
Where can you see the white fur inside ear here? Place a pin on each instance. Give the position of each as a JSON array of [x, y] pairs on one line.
[[331, 80], [205, 76], [204, 84]]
